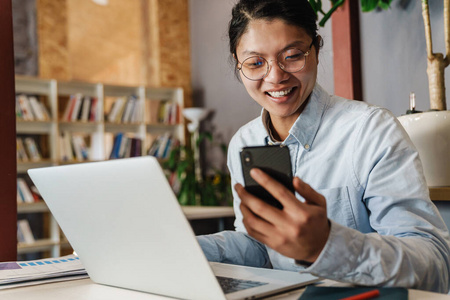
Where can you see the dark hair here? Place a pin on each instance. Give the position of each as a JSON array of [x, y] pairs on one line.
[[293, 12]]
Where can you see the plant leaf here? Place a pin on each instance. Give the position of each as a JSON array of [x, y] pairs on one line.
[[368, 5], [325, 18], [385, 4], [314, 6]]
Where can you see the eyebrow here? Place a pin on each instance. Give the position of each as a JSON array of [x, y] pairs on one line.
[[293, 44]]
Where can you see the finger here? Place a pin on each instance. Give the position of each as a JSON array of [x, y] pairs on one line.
[[308, 193], [275, 188], [256, 227], [258, 206]]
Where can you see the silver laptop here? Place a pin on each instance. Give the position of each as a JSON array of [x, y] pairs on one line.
[[124, 221]]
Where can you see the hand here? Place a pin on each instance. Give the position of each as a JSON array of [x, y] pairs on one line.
[[300, 230]]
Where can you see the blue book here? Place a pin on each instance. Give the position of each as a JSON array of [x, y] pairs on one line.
[[116, 146], [335, 293]]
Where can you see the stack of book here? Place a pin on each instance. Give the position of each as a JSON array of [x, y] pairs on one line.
[[81, 108], [163, 145], [24, 233], [30, 108], [27, 150], [73, 146], [26, 193], [125, 146], [162, 112], [125, 110]]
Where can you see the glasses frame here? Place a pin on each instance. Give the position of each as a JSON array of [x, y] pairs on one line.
[[278, 63]]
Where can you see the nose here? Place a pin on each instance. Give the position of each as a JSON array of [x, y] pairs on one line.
[[276, 74]]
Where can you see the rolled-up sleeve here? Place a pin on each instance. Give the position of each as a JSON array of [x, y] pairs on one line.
[[410, 243], [234, 248]]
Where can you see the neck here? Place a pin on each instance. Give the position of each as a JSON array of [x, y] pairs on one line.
[[280, 130], [280, 126]]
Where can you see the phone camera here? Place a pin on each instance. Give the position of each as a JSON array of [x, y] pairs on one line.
[[247, 159]]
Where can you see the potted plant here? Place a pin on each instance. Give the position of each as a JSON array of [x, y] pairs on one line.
[[209, 188], [429, 131]]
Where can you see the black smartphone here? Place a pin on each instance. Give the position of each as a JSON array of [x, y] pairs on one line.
[[273, 160]]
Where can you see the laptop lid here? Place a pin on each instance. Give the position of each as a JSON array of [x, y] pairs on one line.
[[124, 221]]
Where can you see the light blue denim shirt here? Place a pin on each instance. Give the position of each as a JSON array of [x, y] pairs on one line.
[[384, 228]]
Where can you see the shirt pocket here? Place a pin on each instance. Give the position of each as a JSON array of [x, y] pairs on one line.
[[339, 208]]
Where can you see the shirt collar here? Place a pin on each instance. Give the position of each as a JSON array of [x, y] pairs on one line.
[[307, 124]]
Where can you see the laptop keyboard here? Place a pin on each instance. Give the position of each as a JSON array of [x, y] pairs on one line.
[[230, 285]]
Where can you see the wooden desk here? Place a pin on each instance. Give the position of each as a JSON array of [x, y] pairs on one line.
[[209, 212], [440, 193], [87, 290]]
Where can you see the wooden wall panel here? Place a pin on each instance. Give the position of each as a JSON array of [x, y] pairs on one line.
[[170, 63], [8, 203], [52, 37], [105, 41], [347, 51], [124, 42]]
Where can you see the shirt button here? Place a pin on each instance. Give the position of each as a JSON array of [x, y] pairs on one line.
[[307, 147]]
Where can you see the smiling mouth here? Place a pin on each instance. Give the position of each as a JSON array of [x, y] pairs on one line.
[[279, 94]]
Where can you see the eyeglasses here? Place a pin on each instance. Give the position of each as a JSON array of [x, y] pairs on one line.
[[290, 60]]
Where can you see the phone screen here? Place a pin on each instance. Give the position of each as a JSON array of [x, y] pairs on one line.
[[273, 160]]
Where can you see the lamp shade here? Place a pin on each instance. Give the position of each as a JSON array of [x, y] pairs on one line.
[[195, 114]]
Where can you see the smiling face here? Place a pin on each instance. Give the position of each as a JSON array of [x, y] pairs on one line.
[[280, 93]]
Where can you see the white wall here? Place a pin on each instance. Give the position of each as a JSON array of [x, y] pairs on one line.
[[394, 54], [214, 83], [393, 62]]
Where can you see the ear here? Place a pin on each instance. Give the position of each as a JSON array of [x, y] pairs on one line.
[[317, 46], [235, 60]]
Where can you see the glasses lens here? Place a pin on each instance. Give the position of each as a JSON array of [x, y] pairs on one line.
[[254, 67], [291, 60]]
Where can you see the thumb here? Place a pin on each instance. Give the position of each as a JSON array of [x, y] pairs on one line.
[[308, 193]]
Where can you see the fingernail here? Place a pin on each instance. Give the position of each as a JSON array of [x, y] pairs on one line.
[[255, 173]]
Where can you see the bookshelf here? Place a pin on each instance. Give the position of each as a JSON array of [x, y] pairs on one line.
[[80, 128]]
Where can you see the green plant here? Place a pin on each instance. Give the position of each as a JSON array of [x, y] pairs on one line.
[[213, 189], [436, 62], [366, 6]]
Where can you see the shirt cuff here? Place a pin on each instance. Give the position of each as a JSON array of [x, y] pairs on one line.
[[340, 253]]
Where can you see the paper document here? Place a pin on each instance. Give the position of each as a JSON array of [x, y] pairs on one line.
[[22, 273]]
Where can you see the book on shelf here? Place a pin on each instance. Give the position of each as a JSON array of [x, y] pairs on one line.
[[25, 108], [24, 233], [19, 115], [162, 112], [69, 108], [21, 152], [32, 149], [73, 147], [30, 108], [76, 108], [129, 109], [81, 108], [125, 110], [125, 146], [163, 145], [35, 108], [65, 147], [80, 148], [137, 113], [27, 193], [94, 114], [24, 192], [85, 109], [116, 108]]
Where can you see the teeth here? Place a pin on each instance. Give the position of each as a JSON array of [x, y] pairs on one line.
[[280, 93]]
